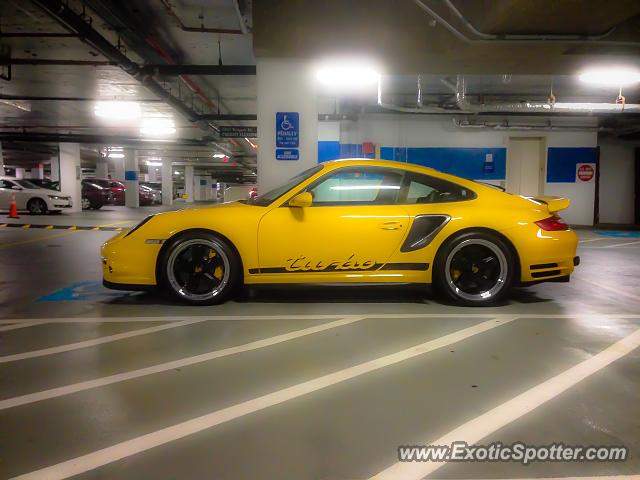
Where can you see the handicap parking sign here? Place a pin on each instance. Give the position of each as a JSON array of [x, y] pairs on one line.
[[287, 129]]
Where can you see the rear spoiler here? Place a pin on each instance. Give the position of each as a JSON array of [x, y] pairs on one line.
[[554, 204]]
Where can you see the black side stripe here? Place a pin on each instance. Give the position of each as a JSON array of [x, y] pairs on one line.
[[388, 266]]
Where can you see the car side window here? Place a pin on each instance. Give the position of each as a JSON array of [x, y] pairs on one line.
[[419, 188], [6, 184], [357, 186]]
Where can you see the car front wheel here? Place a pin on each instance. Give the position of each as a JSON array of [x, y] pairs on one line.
[[199, 268], [474, 268], [37, 206]]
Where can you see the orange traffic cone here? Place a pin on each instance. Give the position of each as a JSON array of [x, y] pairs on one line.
[[13, 208]]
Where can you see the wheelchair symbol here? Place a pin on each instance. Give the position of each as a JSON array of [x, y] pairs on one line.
[[286, 124]]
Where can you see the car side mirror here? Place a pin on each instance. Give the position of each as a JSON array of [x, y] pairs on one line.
[[303, 199]]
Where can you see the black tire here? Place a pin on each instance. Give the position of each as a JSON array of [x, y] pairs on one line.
[[86, 203], [199, 268], [474, 268], [37, 206]]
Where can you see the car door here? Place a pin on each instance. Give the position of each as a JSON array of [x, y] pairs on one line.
[[352, 227], [5, 194]]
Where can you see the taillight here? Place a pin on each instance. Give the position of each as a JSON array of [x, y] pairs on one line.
[[553, 223]]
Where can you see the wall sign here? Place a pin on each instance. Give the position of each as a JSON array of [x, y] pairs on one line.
[[287, 130], [287, 154], [585, 172], [238, 131]]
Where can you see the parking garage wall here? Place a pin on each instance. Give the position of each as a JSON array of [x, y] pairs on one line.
[[478, 154]]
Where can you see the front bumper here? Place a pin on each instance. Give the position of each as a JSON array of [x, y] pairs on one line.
[[129, 261]]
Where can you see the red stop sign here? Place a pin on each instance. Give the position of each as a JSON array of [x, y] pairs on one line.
[[585, 173]]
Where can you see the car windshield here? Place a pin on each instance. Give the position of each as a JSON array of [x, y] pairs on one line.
[[268, 197], [27, 184], [98, 181]]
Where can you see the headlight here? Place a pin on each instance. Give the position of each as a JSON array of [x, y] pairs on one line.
[[57, 197]]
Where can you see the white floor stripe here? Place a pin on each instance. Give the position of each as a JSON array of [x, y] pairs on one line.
[[136, 445], [622, 244], [617, 290], [390, 316], [601, 477], [96, 341], [163, 367], [23, 324], [484, 425], [592, 240]]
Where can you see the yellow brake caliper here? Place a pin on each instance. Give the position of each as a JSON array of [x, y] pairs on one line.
[[217, 272]]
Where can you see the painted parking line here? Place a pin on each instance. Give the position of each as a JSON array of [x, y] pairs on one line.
[[93, 460], [593, 240], [107, 227], [183, 362], [96, 341], [616, 290], [637, 242], [480, 427], [23, 324], [67, 231]]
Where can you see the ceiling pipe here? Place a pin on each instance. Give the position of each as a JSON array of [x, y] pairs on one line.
[[71, 21], [244, 28], [465, 124], [510, 39], [100, 139], [55, 62], [536, 37], [36, 35], [178, 70], [587, 108]]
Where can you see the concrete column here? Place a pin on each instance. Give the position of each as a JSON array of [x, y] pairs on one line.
[[38, 172], [102, 168], [20, 173], [167, 182], [1, 161], [55, 168], [285, 86], [118, 169], [131, 198], [188, 183], [152, 175], [71, 174]]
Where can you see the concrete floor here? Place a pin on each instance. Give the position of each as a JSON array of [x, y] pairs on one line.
[[312, 383]]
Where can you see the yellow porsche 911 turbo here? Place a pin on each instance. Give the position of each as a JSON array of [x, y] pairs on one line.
[[351, 222]]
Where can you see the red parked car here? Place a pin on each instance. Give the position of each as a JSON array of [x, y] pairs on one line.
[[118, 188]]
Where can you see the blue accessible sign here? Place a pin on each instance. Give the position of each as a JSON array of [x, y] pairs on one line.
[[287, 154], [287, 129]]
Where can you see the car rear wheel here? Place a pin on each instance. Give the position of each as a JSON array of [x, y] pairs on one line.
[[86, 203], [200, 268], [474, 268], [37, 206]]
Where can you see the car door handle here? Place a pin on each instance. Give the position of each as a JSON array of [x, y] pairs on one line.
[[391, 226]]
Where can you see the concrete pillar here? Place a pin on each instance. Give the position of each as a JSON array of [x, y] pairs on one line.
[[55, 168], [20, 173], [152, 175], [1, 161], [118, 169], [71, 174], [188, 183], [167, 182], [102, 168], [285, 86], [131, 198], [38, 172]]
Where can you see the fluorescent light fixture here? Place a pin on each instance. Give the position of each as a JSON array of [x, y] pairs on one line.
[[219, 155], [158, 127], [115, 155], [611, 76], [366, 187], [347, 73], [117, 110], [253, 145], [153, 164], [176, 172]]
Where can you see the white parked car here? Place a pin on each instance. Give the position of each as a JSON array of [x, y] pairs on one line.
[[30, 197]]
